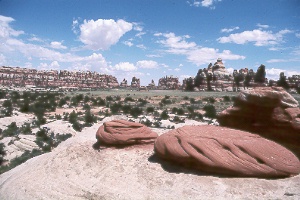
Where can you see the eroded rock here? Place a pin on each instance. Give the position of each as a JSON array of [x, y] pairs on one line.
[[221, 150], [118, 132], [271, 112]]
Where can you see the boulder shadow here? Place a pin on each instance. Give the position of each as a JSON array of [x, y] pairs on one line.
[[172, 167]]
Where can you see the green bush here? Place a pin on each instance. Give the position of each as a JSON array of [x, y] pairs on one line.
[[150, 109], [136, 111], [129, 99], [226, 98], [210, 111], [12, 130], [126, 109], [164, 115]]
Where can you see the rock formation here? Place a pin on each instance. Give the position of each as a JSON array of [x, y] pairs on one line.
[[226, 151], [268, 111], [15, 76], [122, 132], [169, 83], [135, 82]]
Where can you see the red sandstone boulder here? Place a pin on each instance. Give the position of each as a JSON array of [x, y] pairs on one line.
[[118, 132], [226, 151], [270, 112]]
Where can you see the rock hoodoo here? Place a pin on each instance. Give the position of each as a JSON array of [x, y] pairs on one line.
[[226, 151], [270, 112], [122, 132]]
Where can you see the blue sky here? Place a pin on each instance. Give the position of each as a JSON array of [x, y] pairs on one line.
[[150, 39]]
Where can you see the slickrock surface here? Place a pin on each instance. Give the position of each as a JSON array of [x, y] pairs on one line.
[[118, 132], [221, 150], [271, 112], [74, 170]]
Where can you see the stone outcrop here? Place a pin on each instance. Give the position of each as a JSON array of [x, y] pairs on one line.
[[270, 112], [169, 83], [225, 151], [16, 76], [122, 132]]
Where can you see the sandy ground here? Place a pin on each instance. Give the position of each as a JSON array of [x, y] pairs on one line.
[[75, 170]]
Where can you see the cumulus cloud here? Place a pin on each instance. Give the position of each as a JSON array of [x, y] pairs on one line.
[[194, 53], [274, 73], [203, 3], [262, 25], [128, 43], [5, 30], [141, 46], [125, 66], [257, 36], [2, 59], [147, 64], [102, 34], [57, 45], [228, 30]]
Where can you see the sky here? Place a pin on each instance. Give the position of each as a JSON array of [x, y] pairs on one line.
[[150, 39]]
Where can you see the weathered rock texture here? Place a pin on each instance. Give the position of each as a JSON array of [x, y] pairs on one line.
[[118, 132], [74, 170], [270, 112], [221, 150]]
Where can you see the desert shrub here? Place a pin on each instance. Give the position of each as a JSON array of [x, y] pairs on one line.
[[157, 124], [25, 107], [180, 111], [166, 100], [186, 98], [109, 98], [174, 110], [2, 94], [100, 101], [192, 101], [12, 130], [190, 109], [115, 108], [146, 122], [62, 102], [21, 159], [129, 99], [86, 107], [209, 99], [77, 126], [26, 128], [2, 153], [126, 109], [150, 109], [86, 99], [136, 111], [73, 117], [164, 115], [118, 98], [226, 98], [89, 118], [210, 111], [58, 117], [8, 108], [178, 120], [142, 102]]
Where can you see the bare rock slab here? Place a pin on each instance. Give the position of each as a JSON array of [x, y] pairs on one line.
[[225, 151], [122, 132]]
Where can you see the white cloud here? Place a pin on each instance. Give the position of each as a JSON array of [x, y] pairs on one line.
[[5, 30], [2, 59], [228, 30], [203, 3], [128, 43], [54, 65], [177, 69], [147, 64], [57, 45], [141, 46], [259, 37], [101, 34], [125, 66], [194, 53], [274, 73], [154, 56], [276, 60], [262, 25], [297, 35], [140, 34]]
